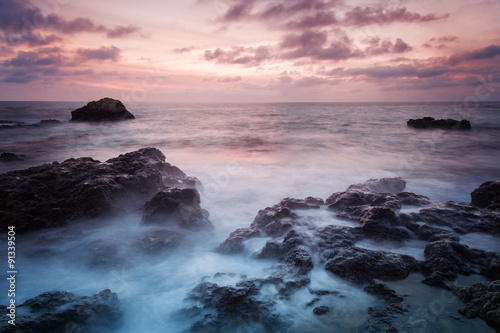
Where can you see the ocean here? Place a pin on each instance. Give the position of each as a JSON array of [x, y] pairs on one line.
[[248, 157]]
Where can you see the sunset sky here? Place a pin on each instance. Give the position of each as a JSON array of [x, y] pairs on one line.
[[250, 50]]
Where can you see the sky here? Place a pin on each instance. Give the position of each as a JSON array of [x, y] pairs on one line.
[[250, 50]]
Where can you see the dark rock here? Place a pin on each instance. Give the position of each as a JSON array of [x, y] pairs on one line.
[[487, 195], [482, 300], [383, 185], [7, 124], [160, 240], [362, 265], [432, 234], [429, 122], [302, 260], [106, 109], [381, 317], [234, 243], [104, 253], [332, 237], [413, 199], [446, 258], [492, 268], [55, 194], [382, 223], [274, 221], [49, 121], [321, 310], [54, 311], [307, 203], [341, 200], [177, 207], [381, 291], [11, 157], [271, 250], [459, 218]]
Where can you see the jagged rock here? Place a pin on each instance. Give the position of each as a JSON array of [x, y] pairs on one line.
[[56, 311], [11, 157], [274, 221], [482, 300], [382, 223], [234, 243], [332, 237], [161, 240], [307, 203], [492, 268], [105, 109], [413, 199], [177, 207], [362, 265], [446, 258], [383, 185], [429, 122], [55, 194], [487, 195]]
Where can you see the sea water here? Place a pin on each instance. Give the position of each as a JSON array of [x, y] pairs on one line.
[[248, 157]]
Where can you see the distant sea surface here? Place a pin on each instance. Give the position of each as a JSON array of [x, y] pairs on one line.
[[248, 157]]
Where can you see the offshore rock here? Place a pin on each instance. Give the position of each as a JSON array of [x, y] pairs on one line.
[[383, 185], [177, 207], [55, 194], [429, 122], [106, 109], [53, 311], [482, 300], [11, 157]]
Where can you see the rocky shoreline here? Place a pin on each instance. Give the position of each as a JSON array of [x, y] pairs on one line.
[[63, 194]]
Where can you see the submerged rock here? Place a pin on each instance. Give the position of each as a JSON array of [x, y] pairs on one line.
[[429, 122], [58, 311], [105, 109], [160, 240], [55, 194], [482, 300], [177, 207]]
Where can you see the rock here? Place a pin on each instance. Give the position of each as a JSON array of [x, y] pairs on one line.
[[383, 185], [362, 265], [382, 223], [274, 221], [106, 109], [307, 203], [492, 268], [429, 122], [482, 300], [177, 207], [459, 218], [57, 311], [11, 157], [446, 258], [332, 237], [381, 291], [49, 121], [234, 243], [104, 253], [321, 310], [413, 199], [56, 194], [487, 195], [161, 240]]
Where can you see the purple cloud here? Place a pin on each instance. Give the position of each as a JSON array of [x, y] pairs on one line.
[[103, 53], [480, 54], [368, 15], [229, 79]]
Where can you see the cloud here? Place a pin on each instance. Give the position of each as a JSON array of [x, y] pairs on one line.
[[122, 31], [239, 55], [185, 49], [229, 79], [359, 16], [31, 59], [480, 54], [311, 81], [285, 79], [103, 53]]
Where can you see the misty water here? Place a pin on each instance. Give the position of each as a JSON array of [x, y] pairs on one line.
[[248, 157]]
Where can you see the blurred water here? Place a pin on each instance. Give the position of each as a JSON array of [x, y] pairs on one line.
[[248, 157]]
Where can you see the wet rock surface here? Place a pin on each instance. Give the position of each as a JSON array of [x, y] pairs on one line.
[[487, 195], [105, 109], [55, 194], [56, 311], [429, 122]]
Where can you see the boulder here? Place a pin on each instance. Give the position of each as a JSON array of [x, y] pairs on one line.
[[429, 122], [482, 300], [382, 223], [55, 194], [321, 310], [105, 109], [177, 207], [487, 195], [383, 185], [362, 265], [59, 311]]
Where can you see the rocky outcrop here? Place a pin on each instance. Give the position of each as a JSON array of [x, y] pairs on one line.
[[55, 194], [429, 122], [482, 300], [105, 109], [58, 311], [178, 207], [382, 223], [383, 185], [487, 195]]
